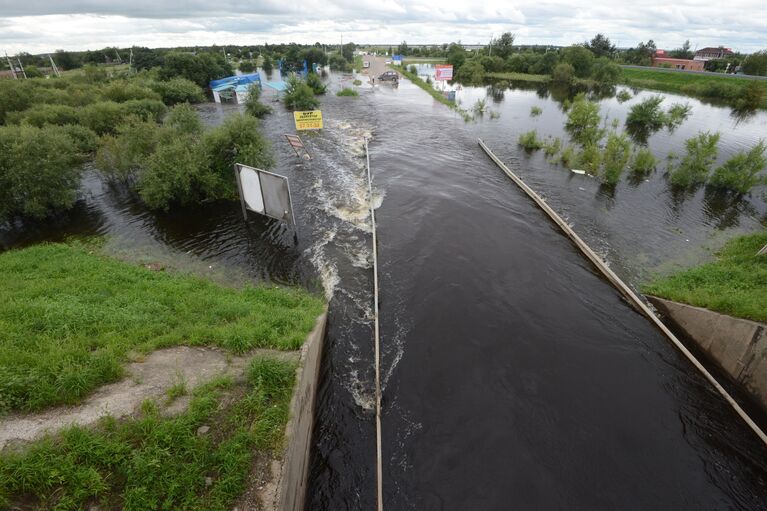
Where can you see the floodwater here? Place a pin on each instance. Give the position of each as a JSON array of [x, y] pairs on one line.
[[514, 375]]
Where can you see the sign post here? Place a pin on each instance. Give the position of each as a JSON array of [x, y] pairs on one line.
[[443, 72], [264, 193], [308, 120]]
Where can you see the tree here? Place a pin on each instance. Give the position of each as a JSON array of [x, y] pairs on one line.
[[682, 53], [605, 71], [600, 46], [503, 46], [456, 55], [471, 72], [145, 58], [756, 64], [563, 73], [314, 56], [347, 51], [642, 55], [299, 96], [402, 49], [66, 60], [580, 58]]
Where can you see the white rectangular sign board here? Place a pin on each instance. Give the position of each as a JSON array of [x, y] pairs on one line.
[[264, 193]]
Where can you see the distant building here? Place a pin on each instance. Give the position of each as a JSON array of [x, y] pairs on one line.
[[706, 54], [661, 60]]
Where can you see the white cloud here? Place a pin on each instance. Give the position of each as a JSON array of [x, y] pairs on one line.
[[45, 25]]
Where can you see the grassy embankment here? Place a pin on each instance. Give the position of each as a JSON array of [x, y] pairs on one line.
[[521, 77], [432, 91], [735, 284], [424, 60], [69, 318]]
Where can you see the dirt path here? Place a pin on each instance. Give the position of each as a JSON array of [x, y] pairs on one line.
[[148, 379]]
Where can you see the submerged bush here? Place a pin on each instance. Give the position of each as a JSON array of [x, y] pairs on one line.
[[253, 106], [178, 90], [174, 173], [121, 156], [583, 122], [589, 159], [471, 72], [677, 114], [535, 111], [530, 141], [346, 91], [299, 96], [40, 115], [615, 158], [121, 91], [647, 115], [605, 71], [563, 73], [182, 118], [695, 166], [623, 96], [39, 171], [751, 97], [314, 81], [105, 116], [551, 148], [742, 172], [643, 162]]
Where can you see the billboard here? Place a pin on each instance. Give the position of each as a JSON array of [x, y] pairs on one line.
[[308, 120], [397, 60], [264, 193], [443, 72]]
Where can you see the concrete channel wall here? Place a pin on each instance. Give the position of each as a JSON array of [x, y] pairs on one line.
[[738, 346], [291, 491]]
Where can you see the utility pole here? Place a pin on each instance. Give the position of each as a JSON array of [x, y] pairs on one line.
[[21, 66], [130, 60], [53, 66], [490, 54], [119, 58], [11, 66]]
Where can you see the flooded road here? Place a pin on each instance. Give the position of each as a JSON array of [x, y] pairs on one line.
[[514, 375]]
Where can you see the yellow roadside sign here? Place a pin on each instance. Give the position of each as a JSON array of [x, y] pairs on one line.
[[308, 120]]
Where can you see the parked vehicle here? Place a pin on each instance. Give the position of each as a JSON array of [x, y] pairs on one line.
[[389, 76]]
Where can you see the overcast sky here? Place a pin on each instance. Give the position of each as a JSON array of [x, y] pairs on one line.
[[45, 25]]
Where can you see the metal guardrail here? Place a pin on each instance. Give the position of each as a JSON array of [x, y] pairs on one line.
[[379, 454], [626, 291]]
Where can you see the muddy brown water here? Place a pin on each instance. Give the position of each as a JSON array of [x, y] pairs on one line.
[[514, 375]]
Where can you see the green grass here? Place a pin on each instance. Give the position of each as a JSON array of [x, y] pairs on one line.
[[735, 284], [425, 60], [685, 83], [432, 91], [151, 462], [521, 77], [346, 91], [70, 317]]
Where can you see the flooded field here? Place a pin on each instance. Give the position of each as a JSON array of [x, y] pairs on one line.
[[514, 376]]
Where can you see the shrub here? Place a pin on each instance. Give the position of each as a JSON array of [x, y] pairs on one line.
[[122, 91], [357, 82], [299, 96], [605, 71], [623, 96], [756, 64], [178, 90], [643, 162], [40, 115], [589, 159], [695, 166], [615, 158], [677, 114], [646, 116], [337, 62], [751, 96], [535, 111], [85, 140], [122, 156], [184, 119], [567, 156], [580, 58], [530, 141], [346, 91], [145, 108], [237, 140], [471, 72], [102, 117], [413, 70], [14, 97], [247, 66], [172, 174], [314, 81], [267, 65], [583, 122], [253, 106], [39, 171], [553, 147], [480, 107], [563, 73], [742, 172]]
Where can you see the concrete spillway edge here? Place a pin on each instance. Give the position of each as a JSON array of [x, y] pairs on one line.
[[294, 475], [626, 291]]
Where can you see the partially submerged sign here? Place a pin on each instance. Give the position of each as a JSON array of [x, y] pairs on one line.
[[308, 120], [443, 72], [264, 193], [297, 145]]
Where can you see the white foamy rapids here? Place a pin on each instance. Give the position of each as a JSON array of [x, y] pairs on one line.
[[350, 137], [363, 397], [327, 270], [345, 198]]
